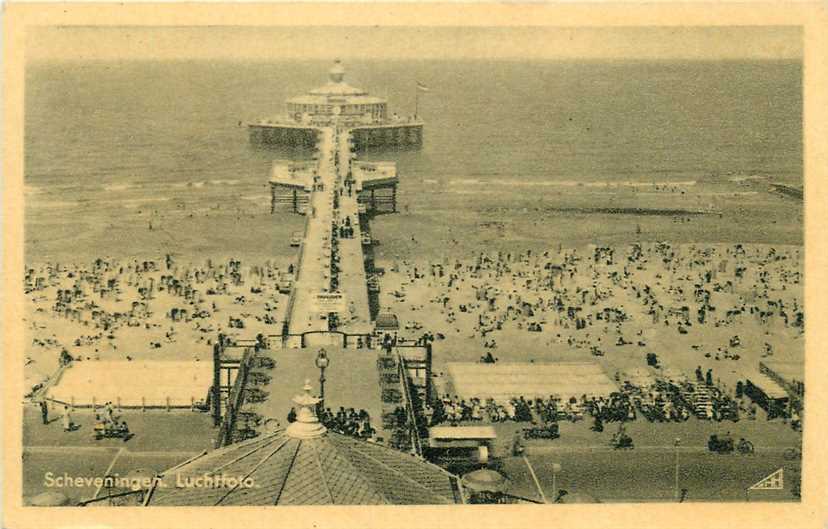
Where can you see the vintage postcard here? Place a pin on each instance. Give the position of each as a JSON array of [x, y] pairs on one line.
[[395, 264]]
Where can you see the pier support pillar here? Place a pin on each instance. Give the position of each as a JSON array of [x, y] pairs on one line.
[[216, 383], [294, 202], [428, 373]]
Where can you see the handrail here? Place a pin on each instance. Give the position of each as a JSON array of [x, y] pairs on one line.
[[414, 430], [244, 343], [84, 503], [236, 399], [40, 394], [299, 262], [366, 335], [277, 121]]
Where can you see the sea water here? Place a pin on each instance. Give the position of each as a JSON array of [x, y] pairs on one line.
[[163, 134]]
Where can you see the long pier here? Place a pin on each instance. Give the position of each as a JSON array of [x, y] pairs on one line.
[[332, 300], [331, 275]]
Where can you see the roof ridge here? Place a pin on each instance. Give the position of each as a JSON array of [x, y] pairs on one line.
[[156, 481], [263, 441], [287, 472], [354, 446], [251, 471], [322, 473], [420, 459]]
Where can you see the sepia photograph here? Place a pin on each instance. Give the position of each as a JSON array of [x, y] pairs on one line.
[[400, 264]]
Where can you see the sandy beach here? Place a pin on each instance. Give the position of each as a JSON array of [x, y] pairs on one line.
[[157, 309], [686, 303]]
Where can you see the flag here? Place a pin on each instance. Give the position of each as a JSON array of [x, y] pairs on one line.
[[421, 87], [773, 482]]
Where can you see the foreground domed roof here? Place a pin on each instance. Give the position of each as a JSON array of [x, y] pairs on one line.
[[305, 464]]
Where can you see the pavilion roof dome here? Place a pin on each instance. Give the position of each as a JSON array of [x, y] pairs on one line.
[[336, 85], [333, 469], [305, 464]]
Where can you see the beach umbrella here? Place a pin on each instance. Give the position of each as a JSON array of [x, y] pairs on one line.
[[485, 480], [31, 380], [271, 424], [49, 499], [577, 497]]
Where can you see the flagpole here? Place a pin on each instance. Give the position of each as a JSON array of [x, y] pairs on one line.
[[677, 496], [416, 100]]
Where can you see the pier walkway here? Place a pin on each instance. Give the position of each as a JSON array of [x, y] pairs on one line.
[[329, 205], [353, 281]]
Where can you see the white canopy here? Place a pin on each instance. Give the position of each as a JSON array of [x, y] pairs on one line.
[[505, 380]]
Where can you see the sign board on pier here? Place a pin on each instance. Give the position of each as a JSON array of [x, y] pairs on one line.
[[330, 302]]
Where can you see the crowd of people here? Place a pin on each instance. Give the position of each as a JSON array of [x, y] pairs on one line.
[[708, 303], [90, 306], [664, 401], [454, 410], [344, 421], [662, 404], [695, 305], [107, 425]]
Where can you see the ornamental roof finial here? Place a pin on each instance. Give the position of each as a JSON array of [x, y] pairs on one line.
[[307, 425]]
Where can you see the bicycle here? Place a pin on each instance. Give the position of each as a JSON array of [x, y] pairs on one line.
[[792, 453]]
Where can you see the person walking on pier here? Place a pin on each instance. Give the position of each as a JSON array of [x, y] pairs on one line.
[[109, 413], [44, 411], [67, 419]]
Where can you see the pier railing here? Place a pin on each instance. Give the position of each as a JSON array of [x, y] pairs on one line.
[[349, 340], [299, 262]]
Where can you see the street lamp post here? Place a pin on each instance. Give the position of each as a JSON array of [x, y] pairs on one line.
[[322, 362], [676, 443], [556, 467]]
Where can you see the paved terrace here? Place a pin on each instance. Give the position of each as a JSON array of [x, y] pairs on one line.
[[352, 381]]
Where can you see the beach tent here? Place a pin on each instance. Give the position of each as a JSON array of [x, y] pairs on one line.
[[767, 393], [387, 321], [159, 384], [790, 375]]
